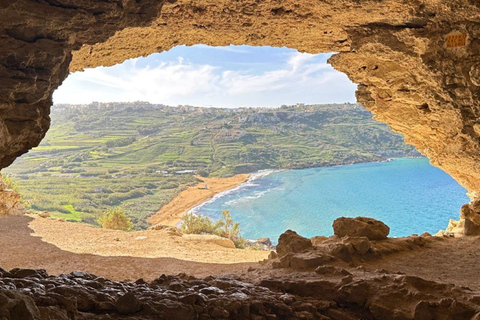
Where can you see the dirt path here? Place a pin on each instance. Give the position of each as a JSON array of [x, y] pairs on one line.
[[171, 213], [20, 249]]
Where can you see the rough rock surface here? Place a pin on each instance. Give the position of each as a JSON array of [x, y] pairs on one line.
[[291, 242], [330, 292], [360, 227], [355, 239], [469, 223]]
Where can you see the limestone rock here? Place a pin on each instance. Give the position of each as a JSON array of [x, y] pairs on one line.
[[469, 223], [302, 261], [360, 244], [360, 227], [260, 244], [291, 242], [317, 240], [329, 293]]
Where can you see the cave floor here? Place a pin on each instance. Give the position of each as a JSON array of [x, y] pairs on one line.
[[20, 249], [450, 260], [430, 276]]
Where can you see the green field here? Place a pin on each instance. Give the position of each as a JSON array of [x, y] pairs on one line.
[[127, 154]]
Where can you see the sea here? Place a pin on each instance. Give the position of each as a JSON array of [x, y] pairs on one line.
[[408, 194]]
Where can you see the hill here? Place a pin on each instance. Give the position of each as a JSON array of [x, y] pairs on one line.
[[139, 155]]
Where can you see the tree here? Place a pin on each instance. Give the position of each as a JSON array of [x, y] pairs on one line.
[[115, 219], [229, 229]]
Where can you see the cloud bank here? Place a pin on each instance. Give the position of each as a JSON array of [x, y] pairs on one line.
[[282, 76]]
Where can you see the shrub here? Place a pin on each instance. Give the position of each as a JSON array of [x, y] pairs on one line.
[[226, 227], [115, 219], [197, 224], [7, 179]]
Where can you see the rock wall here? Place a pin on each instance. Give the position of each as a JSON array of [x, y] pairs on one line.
[[417, 62]]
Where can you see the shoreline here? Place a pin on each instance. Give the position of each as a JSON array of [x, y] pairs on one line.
[[252, 177], [194, 196]]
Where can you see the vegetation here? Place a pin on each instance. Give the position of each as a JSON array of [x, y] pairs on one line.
[[197, 224], [225, 227], [115, 219], [9, 182], [127, 154]]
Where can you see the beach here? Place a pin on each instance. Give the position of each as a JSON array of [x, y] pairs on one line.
[[171, 213]]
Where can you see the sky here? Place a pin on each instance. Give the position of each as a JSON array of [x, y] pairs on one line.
[[234, 76]]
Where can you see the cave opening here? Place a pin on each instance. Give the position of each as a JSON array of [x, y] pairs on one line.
[[275, 125], [417, 67]]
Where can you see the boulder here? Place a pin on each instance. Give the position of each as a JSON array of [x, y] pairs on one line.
[[265, 241], [260, 244], [360, 227], [291, 242]]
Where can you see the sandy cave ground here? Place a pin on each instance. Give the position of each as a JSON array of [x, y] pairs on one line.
[[451, 260], [60, 247]]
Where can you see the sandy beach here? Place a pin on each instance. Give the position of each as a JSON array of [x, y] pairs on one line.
[[171, 213]]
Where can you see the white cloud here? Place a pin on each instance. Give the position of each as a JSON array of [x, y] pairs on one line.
[[299, 78]]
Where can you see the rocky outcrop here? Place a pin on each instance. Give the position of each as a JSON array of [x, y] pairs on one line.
[[355, 240], [291, 242], [360, 227], [469, 223]]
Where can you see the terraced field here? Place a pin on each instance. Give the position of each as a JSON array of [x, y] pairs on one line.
[[129, 154]]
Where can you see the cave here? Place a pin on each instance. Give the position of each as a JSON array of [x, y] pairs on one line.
[[417, 66]]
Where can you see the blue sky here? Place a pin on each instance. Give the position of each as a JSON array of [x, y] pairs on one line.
[[200, 75]]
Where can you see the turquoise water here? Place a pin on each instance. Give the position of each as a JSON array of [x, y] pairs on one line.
[[409, 195]]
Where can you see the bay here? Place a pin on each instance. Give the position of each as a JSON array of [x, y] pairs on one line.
[[409, 195]]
